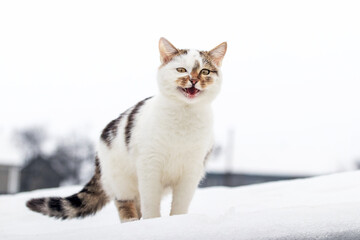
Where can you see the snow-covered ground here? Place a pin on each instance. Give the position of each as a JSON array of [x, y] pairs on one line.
[[325, 207]]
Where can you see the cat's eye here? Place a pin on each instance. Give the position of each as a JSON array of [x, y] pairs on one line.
[[181, 70], [205, 71]]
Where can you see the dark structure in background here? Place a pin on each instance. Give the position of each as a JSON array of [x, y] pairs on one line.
[[37, 174], [240, 179], [64, 164], [234, 179]]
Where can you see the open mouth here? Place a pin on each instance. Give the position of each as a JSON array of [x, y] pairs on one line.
[[190, 92]]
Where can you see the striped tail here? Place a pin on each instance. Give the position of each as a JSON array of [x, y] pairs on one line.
[[88, 201]]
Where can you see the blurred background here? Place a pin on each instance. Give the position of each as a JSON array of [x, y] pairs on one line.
[[289, 106]]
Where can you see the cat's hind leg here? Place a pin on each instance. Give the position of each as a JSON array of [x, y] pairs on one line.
[[126, 196], [127, 210]]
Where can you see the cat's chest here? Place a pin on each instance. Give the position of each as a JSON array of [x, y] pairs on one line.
[[176, 140], [173, 131], [185, 128]]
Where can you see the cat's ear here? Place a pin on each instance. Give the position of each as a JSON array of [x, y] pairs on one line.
[[217, 54], [167, 50]]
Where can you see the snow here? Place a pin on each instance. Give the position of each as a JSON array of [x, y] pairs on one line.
[[326, 207]]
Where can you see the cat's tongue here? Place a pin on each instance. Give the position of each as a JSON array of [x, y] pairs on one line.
[[191, 92]]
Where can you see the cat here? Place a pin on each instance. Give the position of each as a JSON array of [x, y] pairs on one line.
[[161, 143]]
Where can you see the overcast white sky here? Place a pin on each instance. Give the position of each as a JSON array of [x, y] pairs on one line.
[[291, 74]]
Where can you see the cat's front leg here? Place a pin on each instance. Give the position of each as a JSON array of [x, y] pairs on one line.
[[183, 192], [150, 188]]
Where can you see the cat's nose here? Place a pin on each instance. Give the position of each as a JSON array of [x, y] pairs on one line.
[[193, 81]]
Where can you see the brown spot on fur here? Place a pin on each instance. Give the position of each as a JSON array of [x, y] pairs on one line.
[[182, 51], [206, 81], [110, 131], [207, 61], [195, 71], [127, 210], [182, 81], [131, 120]]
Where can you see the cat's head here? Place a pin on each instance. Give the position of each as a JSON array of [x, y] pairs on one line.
[[190, 76]]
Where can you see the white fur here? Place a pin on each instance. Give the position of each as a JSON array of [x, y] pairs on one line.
[[170, 139]]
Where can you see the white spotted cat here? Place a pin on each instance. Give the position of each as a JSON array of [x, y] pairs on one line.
[[160, 143]]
